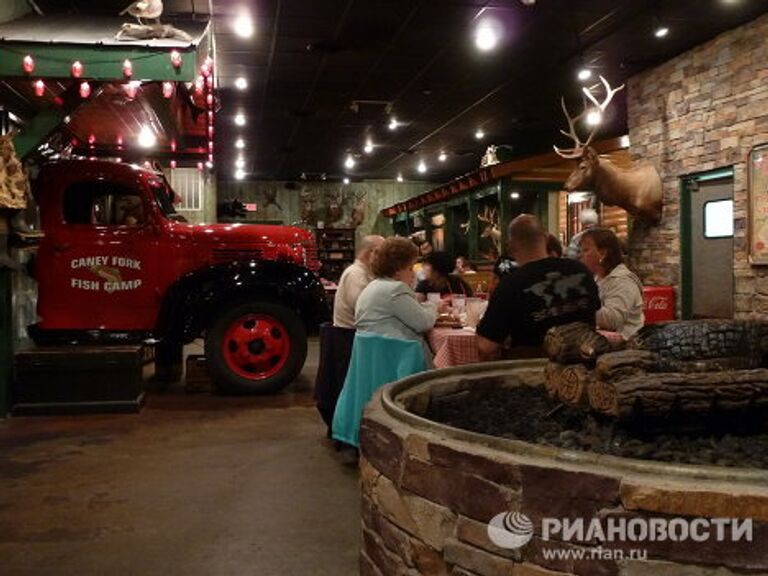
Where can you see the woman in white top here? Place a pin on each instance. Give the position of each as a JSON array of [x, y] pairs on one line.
[[388, 304], [621, 292]]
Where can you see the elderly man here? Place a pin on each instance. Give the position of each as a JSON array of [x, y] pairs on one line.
[[541, 292], [355, 277]]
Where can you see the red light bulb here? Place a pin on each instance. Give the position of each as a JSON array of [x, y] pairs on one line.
[[131, 89], [28, 64], [127, 68], [173, 163], [85, 90], [91, 139], [176, 59], [77, 69], [39, 86], [173, 145], [200, 166], [167, 89], [209, 99]]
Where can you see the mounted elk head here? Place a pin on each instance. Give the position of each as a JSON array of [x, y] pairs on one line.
[[491, 230], [638, 190]]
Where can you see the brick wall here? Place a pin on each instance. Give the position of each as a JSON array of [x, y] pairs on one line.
[[700, 111]]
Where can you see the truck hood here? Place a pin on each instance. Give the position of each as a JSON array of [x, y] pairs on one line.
[[238, 233]]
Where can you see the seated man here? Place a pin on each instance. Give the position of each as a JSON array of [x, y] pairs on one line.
[[353, 280], [541, 292]]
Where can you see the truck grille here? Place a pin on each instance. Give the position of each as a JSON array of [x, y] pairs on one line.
[[221, 255]]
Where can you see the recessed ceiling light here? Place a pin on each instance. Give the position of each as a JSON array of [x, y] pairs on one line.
[[399, 177], [239, 143], [486, 35], [243, 26], [443, 157], [422, 167], [147, 138], [368, 146], [241, 83], [594, 117], [479, 134], [240, 163], [393, 123], [661, 32], [240, 119], [349, 162], [346, 180], [584, 74], [515, 195], [239, 174]]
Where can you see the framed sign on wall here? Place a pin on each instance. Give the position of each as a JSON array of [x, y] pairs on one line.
[[758, 205]]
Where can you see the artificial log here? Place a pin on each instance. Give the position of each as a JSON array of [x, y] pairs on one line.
[[665, 395], [726, 343], [553, 372], [594, 345], [625, 364], [563, 343], [573, 384]]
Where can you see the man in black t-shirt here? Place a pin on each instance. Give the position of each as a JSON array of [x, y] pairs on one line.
[[541, 292]]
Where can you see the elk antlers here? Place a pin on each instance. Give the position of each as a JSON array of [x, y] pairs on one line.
[[578, 148]]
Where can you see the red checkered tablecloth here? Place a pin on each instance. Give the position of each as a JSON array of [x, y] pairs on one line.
[[453, 347]]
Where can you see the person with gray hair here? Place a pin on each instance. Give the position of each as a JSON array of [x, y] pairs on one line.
[[589, 219], [353, 280]]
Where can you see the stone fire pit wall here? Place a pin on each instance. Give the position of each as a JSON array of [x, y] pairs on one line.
[[429, 491]]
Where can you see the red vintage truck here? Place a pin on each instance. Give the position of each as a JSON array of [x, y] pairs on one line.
[[118, 264]]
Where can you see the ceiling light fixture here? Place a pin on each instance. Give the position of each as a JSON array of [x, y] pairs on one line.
[[479, 134], [422, 167], [393, 123], [368, 146], [241, 83], [486, 35], [349, 162], [243, 26], [147, 138], [239, 174], [399, 177], [239, 143], [584, 74], [240, 163], [442, 157], [240, 119], [346, 180], [515, 195], [661, 32]]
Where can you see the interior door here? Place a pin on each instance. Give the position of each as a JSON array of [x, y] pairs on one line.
[[712, 249]]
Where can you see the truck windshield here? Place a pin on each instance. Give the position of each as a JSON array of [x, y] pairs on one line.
[[165, 195]]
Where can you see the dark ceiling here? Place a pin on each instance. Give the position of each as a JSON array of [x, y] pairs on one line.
[[309, 61]]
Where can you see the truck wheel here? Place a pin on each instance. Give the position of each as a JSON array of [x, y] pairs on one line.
[[255, 347]]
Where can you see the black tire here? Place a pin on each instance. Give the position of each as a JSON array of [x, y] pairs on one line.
[[284, 322]]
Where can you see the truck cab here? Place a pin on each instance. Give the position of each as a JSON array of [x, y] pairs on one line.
[[118, 263]]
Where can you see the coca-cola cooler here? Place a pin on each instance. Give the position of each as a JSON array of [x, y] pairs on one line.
[[659, 304]]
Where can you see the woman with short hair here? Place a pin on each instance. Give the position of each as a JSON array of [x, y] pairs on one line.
[[388, 304], [621, 291]]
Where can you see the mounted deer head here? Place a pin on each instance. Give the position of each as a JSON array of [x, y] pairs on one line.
[[358, 210], [490, 217], [334, 206], [638, 190], [308, 215]]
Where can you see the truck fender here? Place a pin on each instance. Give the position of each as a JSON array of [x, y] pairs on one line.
[[192, 302]]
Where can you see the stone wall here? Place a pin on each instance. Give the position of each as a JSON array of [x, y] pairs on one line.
[[377, 194], [701, 111], [429, 491]]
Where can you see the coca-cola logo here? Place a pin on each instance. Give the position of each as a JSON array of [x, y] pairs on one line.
[[657, 303]]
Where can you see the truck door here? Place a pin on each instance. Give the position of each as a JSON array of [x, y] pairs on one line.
[[100, 272]]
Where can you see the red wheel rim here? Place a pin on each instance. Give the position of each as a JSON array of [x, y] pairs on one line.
[[256, 346]]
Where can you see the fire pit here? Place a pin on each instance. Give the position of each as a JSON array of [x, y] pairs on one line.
[[445, 453]]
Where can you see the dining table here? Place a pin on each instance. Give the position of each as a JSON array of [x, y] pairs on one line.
[[453, 346]]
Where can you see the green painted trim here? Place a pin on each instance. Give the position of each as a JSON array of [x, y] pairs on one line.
[[686, 256], [101, 63], [38, 129]]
